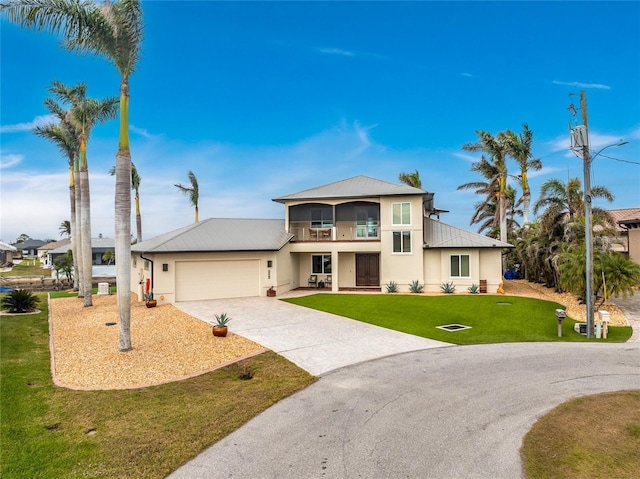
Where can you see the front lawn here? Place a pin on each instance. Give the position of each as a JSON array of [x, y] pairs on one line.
[[493, 319], [52, 432]]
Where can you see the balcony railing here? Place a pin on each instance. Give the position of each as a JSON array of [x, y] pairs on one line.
[[341, 231]]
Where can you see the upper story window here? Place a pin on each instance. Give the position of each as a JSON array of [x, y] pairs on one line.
[[321, 218], [401, 213]]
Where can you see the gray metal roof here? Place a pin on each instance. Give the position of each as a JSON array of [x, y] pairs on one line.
[[356, 187], [441, 235], [220, 234], [95, 243], [7, 247]]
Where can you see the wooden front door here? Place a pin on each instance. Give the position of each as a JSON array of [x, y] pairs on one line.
[[368, 269]]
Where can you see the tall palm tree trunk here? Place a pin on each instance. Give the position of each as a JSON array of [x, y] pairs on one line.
[[78, 253], [526, 206], [85, 226], [74, 228], [503, 208], [138, 219], [123, 222]]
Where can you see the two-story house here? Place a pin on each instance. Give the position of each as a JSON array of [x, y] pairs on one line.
[[360, 233]]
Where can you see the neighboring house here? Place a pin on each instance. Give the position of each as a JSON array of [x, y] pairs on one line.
[[28, 248], [43, 251], [355, 234], [99, 247], [6, 253], [627, 222]]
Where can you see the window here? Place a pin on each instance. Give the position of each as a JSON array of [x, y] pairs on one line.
[[401, 213], [460, 266], [402, 241], [146, 265], [321, 218], [321, 264]]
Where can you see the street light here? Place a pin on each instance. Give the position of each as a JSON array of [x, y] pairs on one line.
[[587, 159]]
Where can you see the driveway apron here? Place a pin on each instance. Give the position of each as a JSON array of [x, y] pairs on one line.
[[442, 413], [317, 342]]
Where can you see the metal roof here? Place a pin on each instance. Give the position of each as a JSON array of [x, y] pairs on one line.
[[7, 247], [356, 187], [95, 243], [441, 235], [220, 234]]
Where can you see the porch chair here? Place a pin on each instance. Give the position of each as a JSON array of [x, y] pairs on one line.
[[313, 280], [327, 282]]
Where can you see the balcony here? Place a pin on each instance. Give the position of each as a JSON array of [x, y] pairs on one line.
[[341, 231]]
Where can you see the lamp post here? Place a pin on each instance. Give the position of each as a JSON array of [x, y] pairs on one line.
[[588, 228]]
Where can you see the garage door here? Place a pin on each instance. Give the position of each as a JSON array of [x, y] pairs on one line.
[[197, 280]]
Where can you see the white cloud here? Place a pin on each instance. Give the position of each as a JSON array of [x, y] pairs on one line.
[[7, 161], [336, 51], [576, 84], [37, 121]]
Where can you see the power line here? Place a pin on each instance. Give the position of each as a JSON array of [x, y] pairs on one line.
[[618, 159]]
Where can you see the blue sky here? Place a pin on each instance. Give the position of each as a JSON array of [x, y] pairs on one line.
[[263, 99]]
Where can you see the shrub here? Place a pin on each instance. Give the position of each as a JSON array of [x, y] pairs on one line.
[[20, 301], [416, 287], [473, 289], [448, 288], [392, 287]]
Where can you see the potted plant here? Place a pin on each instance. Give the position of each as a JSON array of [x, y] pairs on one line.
[[271, 292], [148, 295], [220, 328], [148, 299]]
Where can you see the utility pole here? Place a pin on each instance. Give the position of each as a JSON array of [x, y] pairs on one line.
[[588, 229]]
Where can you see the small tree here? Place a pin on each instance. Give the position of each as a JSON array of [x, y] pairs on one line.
[[108, 256], [64, 264]]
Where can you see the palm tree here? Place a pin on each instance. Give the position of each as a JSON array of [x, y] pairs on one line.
[[495, 148], [65, 228], [191, 191], [519, 148], [563, 203], [63, 135], [108, 256], [112, 30], [411, 179], [135, 185], [83, 115], [486, 212]]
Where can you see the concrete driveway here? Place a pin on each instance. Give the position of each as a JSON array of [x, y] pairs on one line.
[[391, 405], [315, 341], [443, 413]]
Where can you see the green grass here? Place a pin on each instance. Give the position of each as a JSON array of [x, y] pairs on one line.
[[493, 319], [73, 294], [46, 431], [595, 437], [27, 267]]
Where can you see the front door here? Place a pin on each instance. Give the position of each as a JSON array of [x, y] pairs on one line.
[[368, 269]]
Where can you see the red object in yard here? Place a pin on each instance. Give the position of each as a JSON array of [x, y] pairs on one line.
[[148, 285]]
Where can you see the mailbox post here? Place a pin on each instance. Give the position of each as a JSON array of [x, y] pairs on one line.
[[560, 314]]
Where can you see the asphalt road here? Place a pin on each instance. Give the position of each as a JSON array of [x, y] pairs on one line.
[[443, 413]]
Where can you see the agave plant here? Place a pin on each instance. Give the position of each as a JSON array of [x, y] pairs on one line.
[[20, 301], [448, 288], [222, 320], [392, 287], [474, 289], [415, 286]]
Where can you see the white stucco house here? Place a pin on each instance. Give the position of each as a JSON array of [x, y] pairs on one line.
[[358, 233]]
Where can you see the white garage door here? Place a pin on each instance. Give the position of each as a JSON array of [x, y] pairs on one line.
[[197, 280]]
